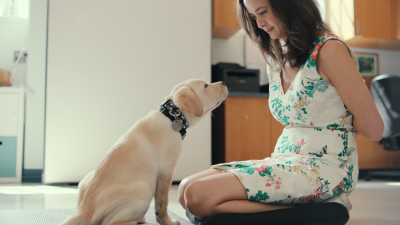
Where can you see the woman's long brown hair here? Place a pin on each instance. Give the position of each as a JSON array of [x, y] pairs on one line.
[[302, 22]]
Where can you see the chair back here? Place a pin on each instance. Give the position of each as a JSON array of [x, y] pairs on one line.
[[385, 90]]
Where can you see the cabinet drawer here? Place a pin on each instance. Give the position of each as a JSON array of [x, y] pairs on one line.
[[8, 156]]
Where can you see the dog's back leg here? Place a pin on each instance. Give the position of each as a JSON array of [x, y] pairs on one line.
[[82, 186], [131, 210], [142, 220], [134, 222], [76, 219]]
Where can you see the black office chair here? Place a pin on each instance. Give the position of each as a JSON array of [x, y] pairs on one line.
[[385, 90]]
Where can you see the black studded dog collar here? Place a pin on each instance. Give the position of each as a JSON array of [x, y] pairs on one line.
[[179, 122]]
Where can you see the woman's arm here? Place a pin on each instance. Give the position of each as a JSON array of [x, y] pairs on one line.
[[335, 62]]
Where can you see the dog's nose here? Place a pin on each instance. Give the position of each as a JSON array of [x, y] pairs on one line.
[[223, 83]]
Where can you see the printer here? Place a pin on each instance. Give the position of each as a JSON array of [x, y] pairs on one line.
[[236, 77]]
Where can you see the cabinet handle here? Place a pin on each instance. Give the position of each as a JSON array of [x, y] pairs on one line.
[[357, 26], [267, 108]]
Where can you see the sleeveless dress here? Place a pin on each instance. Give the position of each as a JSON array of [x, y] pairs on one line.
[[315, 158]]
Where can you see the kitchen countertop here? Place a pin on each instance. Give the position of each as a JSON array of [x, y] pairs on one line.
[[248, 94]]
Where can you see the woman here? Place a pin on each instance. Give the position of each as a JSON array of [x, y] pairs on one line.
[[318, 93]]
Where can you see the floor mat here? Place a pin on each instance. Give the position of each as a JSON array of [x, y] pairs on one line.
[[56, 216]]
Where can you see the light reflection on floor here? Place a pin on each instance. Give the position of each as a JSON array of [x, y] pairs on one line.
[[39, 189], [39, 196]]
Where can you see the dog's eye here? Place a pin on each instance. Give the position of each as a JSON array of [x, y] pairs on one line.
[[206, 85]]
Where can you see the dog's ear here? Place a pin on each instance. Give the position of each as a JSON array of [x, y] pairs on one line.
[[187, 100]]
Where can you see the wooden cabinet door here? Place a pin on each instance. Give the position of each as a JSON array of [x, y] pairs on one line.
[[376, 18], [247, 129], [372, 156], [224, 22]]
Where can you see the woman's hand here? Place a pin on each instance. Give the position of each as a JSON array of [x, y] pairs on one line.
[[357, 133]]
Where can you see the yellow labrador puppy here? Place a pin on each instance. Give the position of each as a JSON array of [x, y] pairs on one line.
[[141, 164]]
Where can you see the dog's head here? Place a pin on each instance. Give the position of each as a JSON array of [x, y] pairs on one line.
[[196, 98]]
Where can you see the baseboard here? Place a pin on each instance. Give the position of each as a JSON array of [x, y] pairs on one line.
[[368, 174], [35, 176], [32, 176]]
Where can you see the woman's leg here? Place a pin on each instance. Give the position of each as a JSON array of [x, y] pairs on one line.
[[185, 182], [221, 193]]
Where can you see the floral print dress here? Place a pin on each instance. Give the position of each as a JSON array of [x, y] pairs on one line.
[[315, 158]]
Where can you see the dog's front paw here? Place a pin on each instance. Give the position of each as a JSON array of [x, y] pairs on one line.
[[169, 222], [175, 222], [164, 219]]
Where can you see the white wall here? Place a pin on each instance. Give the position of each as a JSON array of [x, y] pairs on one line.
[[228, 50], [36, 80], [13, 37], [110, 64]]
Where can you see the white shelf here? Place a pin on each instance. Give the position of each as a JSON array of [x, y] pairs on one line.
[[12, 110]]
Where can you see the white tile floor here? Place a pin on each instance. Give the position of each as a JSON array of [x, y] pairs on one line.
[[374, 202], [39, 196]]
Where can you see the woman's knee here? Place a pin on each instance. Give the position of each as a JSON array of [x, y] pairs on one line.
[[188, 180], [181, 191], [190, 194], [196, 199]]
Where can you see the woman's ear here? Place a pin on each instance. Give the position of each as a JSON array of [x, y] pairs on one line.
[[187, 100]]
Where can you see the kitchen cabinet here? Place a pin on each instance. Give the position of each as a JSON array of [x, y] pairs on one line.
[[224, 22], [243, 129], [376, 18], [372, 156], [361, 23], [366, 23]]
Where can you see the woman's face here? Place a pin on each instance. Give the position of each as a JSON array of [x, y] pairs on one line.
[[261, 12]]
